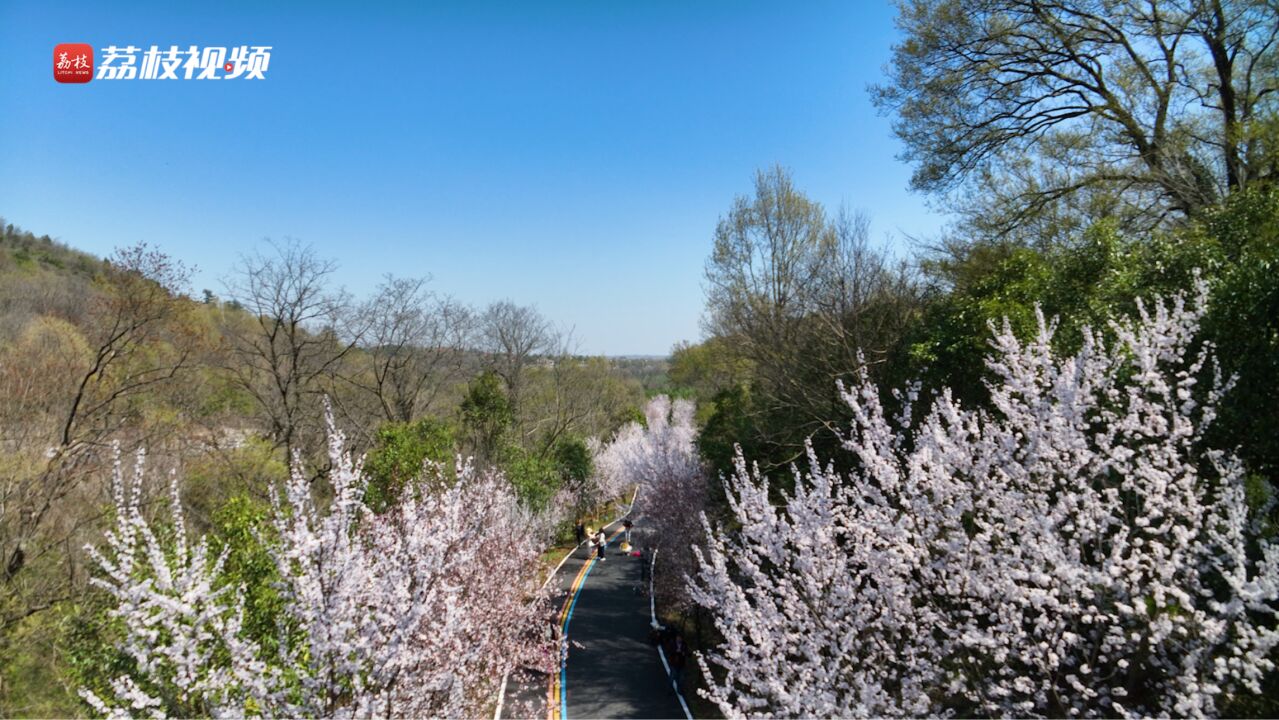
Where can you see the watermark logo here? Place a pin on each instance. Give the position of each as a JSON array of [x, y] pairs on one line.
[[73, 63]]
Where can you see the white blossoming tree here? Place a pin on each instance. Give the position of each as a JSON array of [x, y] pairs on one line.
[[418, 611], [181, 626], [1073, 552], [661, 458]]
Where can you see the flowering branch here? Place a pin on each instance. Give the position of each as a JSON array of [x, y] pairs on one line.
[[1074, 551]]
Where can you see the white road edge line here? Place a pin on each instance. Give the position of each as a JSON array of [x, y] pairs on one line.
[[501, 694], [652, 609]]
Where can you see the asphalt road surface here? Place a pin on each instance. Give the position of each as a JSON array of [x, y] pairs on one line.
[[612, 671]]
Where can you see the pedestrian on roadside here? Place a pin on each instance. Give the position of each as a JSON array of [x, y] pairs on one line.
[[628, 525], [677, 657], [579, 531]]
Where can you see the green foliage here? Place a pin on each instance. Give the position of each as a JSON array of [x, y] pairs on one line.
[[242, 530], [487, 414], [1235, 248], [575, 464], [213, 481], [92, 638], [650, 373], [632, 414], [1243, 321], [534, 477], [89, 643], [39, 657], [397, 457], [31, 252], [1082, 284], [798, 301], [573, 458], [731, 424], [224, 396], [703, 371]]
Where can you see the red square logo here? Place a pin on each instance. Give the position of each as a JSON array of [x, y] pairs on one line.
[[73, 63]]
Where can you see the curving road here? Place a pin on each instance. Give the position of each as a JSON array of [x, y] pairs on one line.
[[611, 670]]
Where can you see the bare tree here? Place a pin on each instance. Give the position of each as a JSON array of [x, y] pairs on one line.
[[293, 340], [69, 392], [413, 348], [573, 395], [765, 251], [806, 301], [1021, 106], [512, 335], [860, 300]]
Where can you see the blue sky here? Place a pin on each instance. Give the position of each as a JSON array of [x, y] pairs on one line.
[[571, 155]]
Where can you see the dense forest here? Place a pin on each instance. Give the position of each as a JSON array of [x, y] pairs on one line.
[[1027, 468]]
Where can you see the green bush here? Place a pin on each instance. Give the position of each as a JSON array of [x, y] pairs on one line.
[[536, 477], [1234, 247], [397, 457], [242, 530]]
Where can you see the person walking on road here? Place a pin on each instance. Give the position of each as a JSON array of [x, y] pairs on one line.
[[628, 525], [600, 543]]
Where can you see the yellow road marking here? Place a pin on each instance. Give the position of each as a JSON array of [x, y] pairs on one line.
[[553, 700]]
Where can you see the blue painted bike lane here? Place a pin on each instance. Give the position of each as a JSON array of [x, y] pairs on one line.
[[610, 669]]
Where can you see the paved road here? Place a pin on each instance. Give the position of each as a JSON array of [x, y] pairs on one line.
[[612, 671]]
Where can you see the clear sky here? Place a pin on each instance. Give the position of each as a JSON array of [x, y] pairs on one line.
[[571, 155]]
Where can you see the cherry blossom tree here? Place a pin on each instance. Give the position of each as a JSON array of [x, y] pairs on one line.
[[661, 457], [1076, 551], [418, 611], [179, 622], [610, 479]]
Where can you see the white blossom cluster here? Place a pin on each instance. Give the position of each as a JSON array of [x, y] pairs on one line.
[[182, 627], [640, 454], [1075, 552], [415, 612], [661, 457]]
